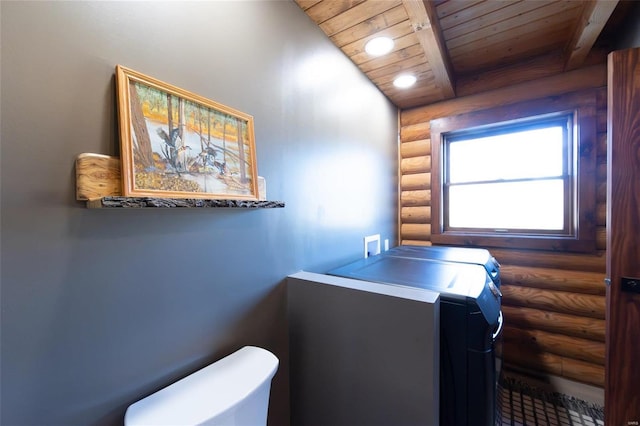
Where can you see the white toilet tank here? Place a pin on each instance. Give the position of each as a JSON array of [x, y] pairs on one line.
[[232, 391]]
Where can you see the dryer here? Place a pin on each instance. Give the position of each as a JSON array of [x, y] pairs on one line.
[[468, 281]]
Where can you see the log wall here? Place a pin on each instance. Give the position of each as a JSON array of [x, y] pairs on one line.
[[554, 303]]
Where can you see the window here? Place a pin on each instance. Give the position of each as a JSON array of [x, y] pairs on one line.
[[525, 181], [528, 163]]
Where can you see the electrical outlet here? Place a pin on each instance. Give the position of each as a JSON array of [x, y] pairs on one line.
[[371, 245]]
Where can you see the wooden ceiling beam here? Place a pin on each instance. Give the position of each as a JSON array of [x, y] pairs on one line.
[[594, 16], [423, 18]]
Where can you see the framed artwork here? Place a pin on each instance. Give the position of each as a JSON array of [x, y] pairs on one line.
[[176, 144]]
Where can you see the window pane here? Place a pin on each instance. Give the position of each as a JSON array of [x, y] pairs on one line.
[[512, 205], [524, 154]]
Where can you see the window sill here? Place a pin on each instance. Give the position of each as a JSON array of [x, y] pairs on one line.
[[551, 243]]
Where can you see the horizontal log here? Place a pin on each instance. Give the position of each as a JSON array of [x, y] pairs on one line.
[[97, 176], [543, 259], [415, 231], [416, 181], [415, 243], [558, 344], [417, 148], [415, 198], [587, 305], [554, 279], [531, 359], [415, 214], [416, 165], [528, 358], [583, 78], [414, 132], [583, 372], [555, 322]]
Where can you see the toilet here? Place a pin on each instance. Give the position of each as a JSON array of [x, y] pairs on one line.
[[233, 391]]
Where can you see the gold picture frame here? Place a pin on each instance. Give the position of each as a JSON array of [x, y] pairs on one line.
[[176, 144]]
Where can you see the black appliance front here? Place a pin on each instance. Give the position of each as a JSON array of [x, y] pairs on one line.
[[470, 320]]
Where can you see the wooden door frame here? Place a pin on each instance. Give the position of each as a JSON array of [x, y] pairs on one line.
[[622, 364]]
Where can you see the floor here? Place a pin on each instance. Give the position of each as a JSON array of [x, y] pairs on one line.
[[522, 404]]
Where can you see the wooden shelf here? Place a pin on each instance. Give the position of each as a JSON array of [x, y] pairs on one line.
[[98, 183], [148, 202]]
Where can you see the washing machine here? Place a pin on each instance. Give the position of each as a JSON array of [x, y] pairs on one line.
[[468, 281]]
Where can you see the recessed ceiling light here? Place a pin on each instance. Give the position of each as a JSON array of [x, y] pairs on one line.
[[405, 80], [379, 46]]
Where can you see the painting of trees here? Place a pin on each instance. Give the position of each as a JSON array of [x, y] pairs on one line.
[[142, 145], [183, 145], [243, 172]]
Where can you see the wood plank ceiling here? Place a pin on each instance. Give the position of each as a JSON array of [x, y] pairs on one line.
[[458, 47]]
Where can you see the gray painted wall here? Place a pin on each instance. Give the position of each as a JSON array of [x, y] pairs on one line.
[[101, 308]]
